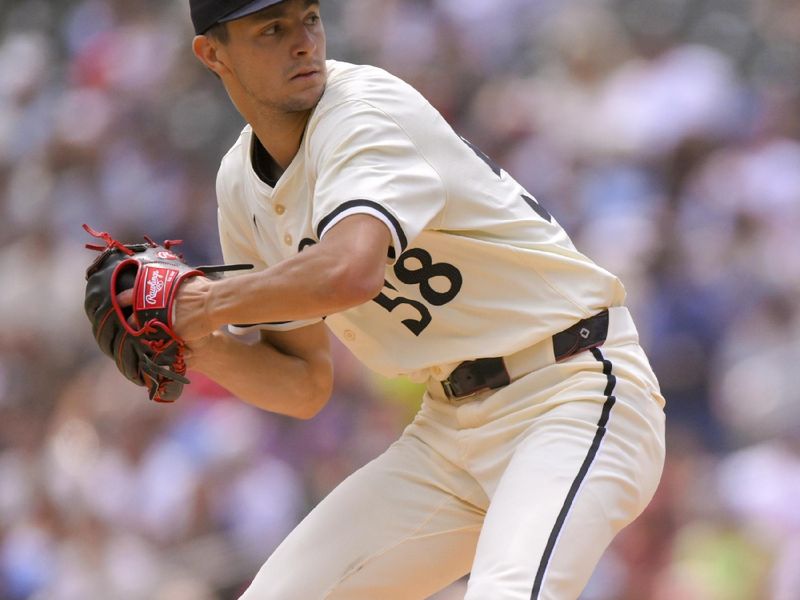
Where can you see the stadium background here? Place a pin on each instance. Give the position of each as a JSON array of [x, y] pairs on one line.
[[663, 134]]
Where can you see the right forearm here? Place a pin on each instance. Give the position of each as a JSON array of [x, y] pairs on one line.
[[260, 375], [345, 269]]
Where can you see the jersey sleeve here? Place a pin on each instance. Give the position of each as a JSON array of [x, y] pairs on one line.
[[366, 163], [238, 246]]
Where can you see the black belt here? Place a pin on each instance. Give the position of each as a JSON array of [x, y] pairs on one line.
[[473, 376]]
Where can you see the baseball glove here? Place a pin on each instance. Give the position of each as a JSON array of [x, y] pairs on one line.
[[140, 338]]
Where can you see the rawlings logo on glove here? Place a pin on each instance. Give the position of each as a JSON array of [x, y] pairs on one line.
[[140, 338], [156, 279]]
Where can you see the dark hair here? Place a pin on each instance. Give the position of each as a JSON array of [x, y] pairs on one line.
[[219, 32]]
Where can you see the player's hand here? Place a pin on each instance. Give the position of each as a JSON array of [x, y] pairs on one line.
[[190, 316], [193, 347]]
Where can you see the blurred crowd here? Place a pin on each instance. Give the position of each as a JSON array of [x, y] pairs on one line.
[[663, 134]]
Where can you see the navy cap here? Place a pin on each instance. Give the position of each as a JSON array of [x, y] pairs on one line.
[[207, 13]]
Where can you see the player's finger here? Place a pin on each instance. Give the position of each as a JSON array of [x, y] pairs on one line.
[[125, 298]]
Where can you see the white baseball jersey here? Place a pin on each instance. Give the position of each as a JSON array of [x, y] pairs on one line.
[[477, 267]]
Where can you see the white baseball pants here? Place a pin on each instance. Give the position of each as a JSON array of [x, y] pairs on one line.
[[524, 487]]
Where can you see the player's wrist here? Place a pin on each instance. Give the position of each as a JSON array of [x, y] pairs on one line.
[[222, 303], [206, 315], [212, 312], [192, 318]]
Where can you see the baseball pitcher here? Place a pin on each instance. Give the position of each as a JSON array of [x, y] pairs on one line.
[[541, 431]]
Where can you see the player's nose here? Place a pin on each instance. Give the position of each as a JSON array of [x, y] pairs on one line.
[[305, 42]]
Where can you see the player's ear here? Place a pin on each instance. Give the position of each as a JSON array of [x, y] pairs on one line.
[[207, 52]]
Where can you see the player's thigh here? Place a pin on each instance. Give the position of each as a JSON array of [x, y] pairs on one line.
[[397, 528], [585, 469]]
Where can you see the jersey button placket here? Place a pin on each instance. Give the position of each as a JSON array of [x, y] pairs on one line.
[[287, 239], [279, 209]]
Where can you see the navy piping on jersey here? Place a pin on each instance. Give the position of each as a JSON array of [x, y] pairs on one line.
[[576, 484], [374, 205]]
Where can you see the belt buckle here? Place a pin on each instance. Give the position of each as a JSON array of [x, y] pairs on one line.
[[452, 394], [476, 376]]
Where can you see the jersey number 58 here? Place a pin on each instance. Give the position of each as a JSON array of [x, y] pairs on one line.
[[422, 276]]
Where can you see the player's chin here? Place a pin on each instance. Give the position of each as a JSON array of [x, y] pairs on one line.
[[304, 99]]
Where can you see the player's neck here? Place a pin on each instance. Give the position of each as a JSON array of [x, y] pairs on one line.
[[281, 135]]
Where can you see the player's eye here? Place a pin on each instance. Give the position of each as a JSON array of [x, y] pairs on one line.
[[272, 29], [312, 19]]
